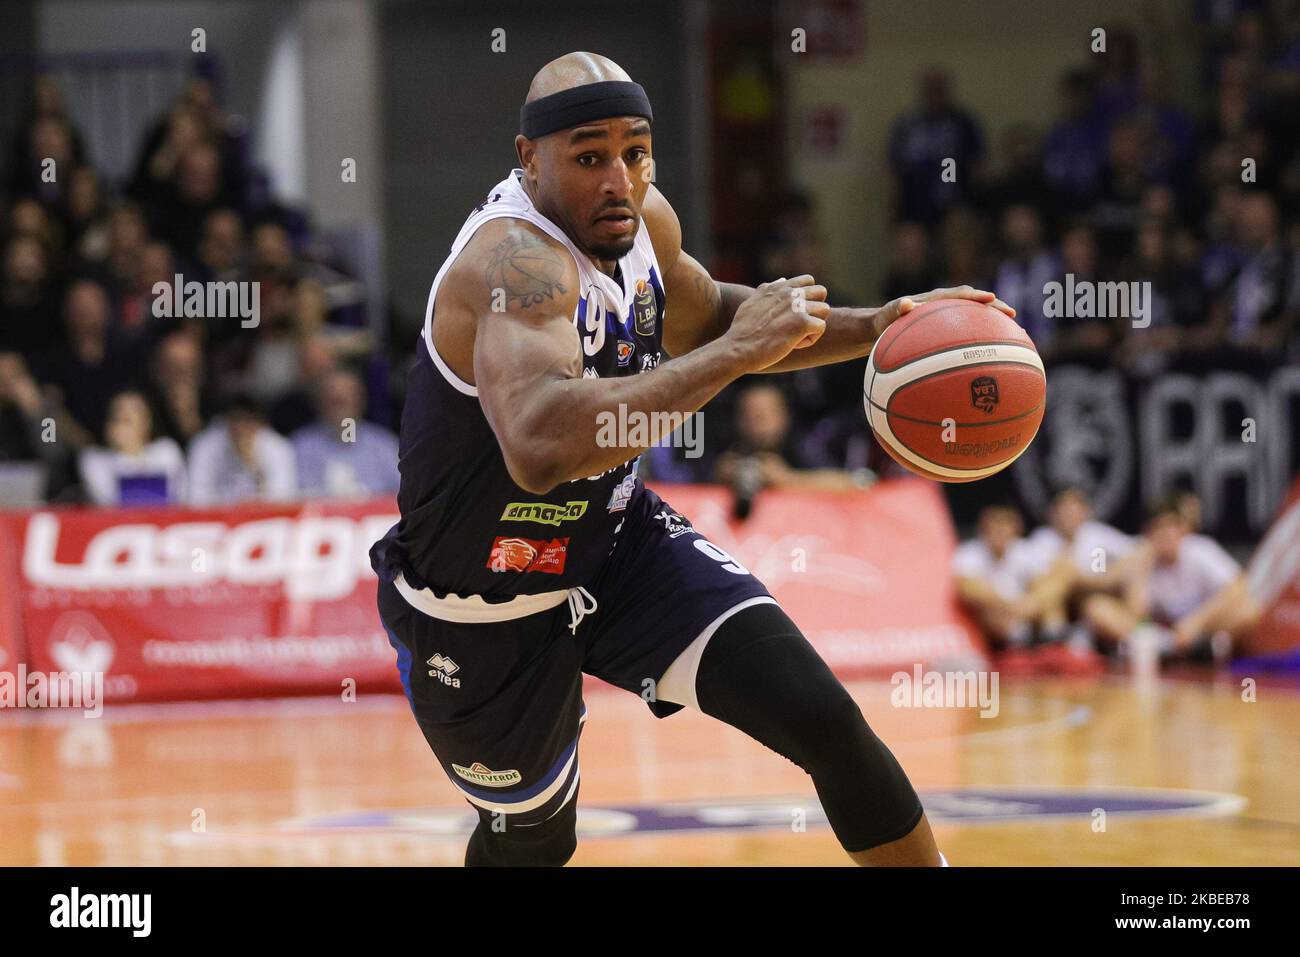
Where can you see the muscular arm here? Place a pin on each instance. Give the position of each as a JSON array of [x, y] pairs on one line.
[[528, 366], [700, 309]]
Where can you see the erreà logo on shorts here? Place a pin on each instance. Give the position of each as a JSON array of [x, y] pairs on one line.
[[442, 668], [479, 773], [75, 909]]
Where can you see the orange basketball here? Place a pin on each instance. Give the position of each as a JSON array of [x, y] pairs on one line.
[[955, 390]]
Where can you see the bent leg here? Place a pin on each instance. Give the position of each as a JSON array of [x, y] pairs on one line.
[[759, 674]]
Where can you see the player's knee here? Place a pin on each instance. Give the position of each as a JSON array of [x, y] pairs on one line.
[[832, 730], [549, 843]]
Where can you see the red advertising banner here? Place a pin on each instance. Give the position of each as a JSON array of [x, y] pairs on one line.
[[864, 574], [265, 600], [1274, 579], [181, 603]]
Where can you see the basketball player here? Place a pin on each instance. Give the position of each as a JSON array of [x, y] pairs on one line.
[[528, 551]]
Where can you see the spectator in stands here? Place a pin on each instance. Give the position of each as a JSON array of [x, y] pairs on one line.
[[1083, 563], [239, 458], [965, 250], [765, 453], [921, 142], [26, 436], [911, 265], [133, 467], [994, 573], [1021, 181], [135, 315], [194, 191], [273, 252], [27, 298], [221, 249], [1073, 150], [1260, 307], [46, 101], [183, 128], [95, 363], [1074, 338], [341, 454], [1026, 270], [176, 387], [50, 140], [20, 410], [128, 234], [84, 217], [1167, 129], [1117, 207], [1177, 300], [1188, 584]]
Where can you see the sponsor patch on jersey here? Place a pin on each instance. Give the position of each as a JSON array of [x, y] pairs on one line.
[[649, 361], [644, 309], [622, 493], [480, 773], [544, 513], [511, 554], [675, 524], [625, 351]]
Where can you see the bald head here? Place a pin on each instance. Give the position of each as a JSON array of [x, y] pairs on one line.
[[573, 69], [588, 165]]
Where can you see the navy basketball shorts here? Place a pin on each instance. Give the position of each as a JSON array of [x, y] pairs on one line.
[[500, 703]]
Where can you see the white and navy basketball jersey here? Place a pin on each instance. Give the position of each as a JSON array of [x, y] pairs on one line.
[[466, 527]]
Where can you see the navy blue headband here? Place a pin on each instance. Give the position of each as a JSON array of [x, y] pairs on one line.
[[591, 101]]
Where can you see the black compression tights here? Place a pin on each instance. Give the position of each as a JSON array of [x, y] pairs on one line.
[[759, 674]]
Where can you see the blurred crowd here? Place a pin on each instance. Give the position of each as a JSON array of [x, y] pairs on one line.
[[104, 400], [1199, 197]]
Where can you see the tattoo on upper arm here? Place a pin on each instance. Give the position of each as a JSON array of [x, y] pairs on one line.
[[708, 290], [529, 271]]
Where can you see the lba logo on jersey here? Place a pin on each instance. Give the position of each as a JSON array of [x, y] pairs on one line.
[[644, 309]]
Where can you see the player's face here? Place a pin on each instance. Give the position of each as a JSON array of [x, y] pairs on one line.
[[593, 180]]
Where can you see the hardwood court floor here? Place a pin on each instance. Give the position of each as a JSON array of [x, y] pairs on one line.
[[317, 781]]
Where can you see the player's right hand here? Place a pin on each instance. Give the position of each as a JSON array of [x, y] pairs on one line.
[[781, 316]]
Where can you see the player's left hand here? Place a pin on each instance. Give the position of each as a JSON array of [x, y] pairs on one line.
[[895, 309]]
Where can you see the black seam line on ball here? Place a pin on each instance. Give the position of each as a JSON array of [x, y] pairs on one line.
[[973, 345]]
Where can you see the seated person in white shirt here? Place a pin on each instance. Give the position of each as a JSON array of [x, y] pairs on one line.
[[133, 468], [993, 574], [1083, 564], [239, 458], [1188, 583]]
